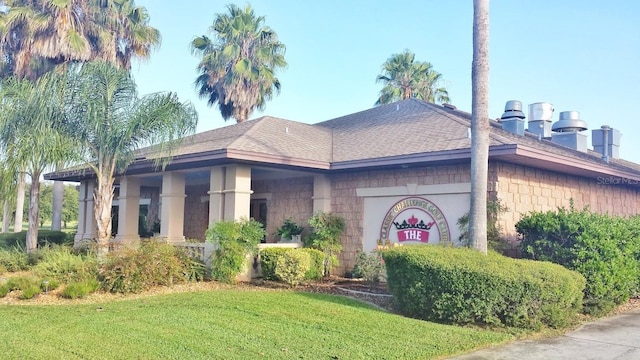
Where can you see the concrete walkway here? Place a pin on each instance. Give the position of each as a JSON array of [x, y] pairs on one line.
[[616, 337]]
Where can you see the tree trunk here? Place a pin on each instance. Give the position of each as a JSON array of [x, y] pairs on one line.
[[479, 126], [103, 199], [58, 197], [17, 226], [6, 218], [34, 209]]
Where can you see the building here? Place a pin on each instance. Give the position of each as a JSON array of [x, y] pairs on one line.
[[399, 172]]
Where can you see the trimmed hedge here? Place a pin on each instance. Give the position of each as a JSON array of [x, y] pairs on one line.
[[269, 259], [9, 240], [605, 249], [463, 286]]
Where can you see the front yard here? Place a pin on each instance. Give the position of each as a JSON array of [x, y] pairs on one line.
[[230, 324]]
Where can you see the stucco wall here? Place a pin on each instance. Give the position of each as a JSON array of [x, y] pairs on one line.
[[523, 189]]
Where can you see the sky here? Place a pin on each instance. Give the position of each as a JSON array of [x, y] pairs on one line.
[[578, 55]]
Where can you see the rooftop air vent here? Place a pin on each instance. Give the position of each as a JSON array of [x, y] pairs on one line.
[[540, 115], [513, 117], [569, 122], [567, 131], [606, 141]]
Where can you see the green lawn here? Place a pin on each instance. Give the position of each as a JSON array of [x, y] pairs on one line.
[[228, 324]]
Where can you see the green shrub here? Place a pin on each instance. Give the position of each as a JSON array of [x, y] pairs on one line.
[[463, 286], [14, 259], [4, 290], [602, 248], [326, 229], [134, 270], [30, 292], [79, 290], [317, 264], [235, 241], [62, 264], [21, 282], [368, 266], [292, 267], [49, 284], [9, 240], [268, 260]]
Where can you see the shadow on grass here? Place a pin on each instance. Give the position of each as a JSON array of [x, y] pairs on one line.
[[341, 300]]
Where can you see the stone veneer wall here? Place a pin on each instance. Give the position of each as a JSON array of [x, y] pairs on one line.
[[196, 212], [523, 189], [346, 204], [289, 198]]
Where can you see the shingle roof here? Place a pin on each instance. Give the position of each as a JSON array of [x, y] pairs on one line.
[[405, 128]]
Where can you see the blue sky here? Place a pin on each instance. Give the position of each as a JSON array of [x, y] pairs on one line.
[[578, 55]]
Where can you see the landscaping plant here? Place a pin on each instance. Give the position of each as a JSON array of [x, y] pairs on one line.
[[235, 241], [325, 236], [292, 267]]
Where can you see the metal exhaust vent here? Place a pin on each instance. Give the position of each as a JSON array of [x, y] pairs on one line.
[[513, 118], [567, 131]]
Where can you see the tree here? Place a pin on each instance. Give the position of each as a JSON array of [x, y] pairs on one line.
[[479, 126], [405, 78], [108, 121], [70, 205], [8, 182], [238, 65], [37, 36], [29, 141]]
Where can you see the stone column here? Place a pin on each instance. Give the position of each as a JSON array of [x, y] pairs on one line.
[[128, 210], [90, 224], [216, 195], [172, 213], [82, 214], [237, 193], [321, 194]]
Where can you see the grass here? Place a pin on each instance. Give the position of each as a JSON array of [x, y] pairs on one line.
[[229, 324]]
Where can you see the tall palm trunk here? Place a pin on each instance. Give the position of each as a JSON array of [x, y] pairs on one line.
[[34, 212], [17, 226], [58, 196], [6, 218], [479, 126]]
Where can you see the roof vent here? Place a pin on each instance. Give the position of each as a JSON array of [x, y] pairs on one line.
[[569, 122], [540, 115], [513, 117], [449, 106], [606, 141], [567, 131]]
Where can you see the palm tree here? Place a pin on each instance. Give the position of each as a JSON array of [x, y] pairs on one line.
[[38, 35], [479, 126], [108, 122], [238, 65], [404, 78], [8, 183], [27, 138]]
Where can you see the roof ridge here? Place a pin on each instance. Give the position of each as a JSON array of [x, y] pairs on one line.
[[255, 123]]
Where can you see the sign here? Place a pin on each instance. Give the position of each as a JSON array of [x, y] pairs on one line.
[[415, 220]]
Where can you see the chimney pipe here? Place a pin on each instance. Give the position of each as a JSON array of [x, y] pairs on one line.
[[605, 139]]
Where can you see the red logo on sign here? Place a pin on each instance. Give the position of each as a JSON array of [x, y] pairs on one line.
[[413, 229]]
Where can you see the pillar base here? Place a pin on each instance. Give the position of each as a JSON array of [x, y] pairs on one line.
[[171, 240]]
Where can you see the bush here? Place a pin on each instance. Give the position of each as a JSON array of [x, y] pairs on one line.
[[49, 284], [317, 264], [268, 260], [62, 264], [369, 266], [292, 267], [325, 236], [495, 240], [235, 241], [14, 260], [152, 264], [30, 292], [602, 248], [79, 290], [4, 290], [9, 240], [463, 286]]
